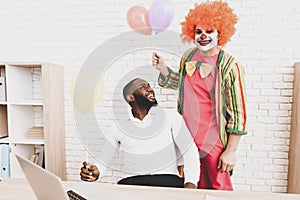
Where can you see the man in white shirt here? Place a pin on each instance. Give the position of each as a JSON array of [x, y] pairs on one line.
[[151, 138]]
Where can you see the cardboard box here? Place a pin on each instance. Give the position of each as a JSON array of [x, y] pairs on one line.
[[2, 89]]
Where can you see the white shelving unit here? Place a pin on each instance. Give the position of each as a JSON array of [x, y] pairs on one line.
[[34, 98]]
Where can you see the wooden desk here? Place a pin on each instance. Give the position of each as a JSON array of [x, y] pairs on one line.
[[18, 189]]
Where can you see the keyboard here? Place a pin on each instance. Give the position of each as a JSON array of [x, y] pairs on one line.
[[74, 196]]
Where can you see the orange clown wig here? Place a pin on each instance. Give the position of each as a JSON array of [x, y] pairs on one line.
[[210, 15]]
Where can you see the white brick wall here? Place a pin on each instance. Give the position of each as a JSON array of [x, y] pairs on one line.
[[267, 43]]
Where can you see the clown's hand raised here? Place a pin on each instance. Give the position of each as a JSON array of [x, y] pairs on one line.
[[158, 63]]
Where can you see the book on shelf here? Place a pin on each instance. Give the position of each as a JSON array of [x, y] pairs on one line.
[[40, 161], [2, 71], [4, 161], [38, 156], [36, 132], [3, 122], [2, 89]]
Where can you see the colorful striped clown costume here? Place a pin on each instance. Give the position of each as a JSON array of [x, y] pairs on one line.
[[230, 104], [230, 92], [211, 89]]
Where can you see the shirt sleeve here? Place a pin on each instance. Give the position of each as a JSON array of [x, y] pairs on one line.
[[169, 82], [188, 149], [173, 78], [108, 151], [236, 101], [179, 157]]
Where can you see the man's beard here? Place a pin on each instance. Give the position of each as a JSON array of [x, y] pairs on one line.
[[144, 102]]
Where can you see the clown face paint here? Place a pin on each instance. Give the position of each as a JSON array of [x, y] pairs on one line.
[[206, 39]]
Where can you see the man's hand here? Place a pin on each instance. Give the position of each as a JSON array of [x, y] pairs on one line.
[[190, 185], [227, 161], [89, 172], [159, 64]]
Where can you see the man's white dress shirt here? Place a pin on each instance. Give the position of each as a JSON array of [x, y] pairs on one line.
[[152, 145]]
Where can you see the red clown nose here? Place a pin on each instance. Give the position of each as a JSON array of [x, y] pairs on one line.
[[203, 36]]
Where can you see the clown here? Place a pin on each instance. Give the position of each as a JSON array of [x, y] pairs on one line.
[[211, 91]]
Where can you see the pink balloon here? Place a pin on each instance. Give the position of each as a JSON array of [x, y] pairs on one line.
[[137, 19], [160, 15]]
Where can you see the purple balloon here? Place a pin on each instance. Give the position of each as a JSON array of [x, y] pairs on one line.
[[160, 15]]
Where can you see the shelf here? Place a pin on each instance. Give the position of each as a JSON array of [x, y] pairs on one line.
[[25, 64], [4, 140], [27, 141], [3, 103], [28, 103]]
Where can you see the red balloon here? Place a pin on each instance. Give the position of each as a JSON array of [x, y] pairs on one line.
[[137, 19]]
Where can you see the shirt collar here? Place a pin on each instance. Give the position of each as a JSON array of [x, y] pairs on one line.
[[147, 119]]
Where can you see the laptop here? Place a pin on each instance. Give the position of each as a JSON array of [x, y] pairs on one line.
[[45, 185]]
